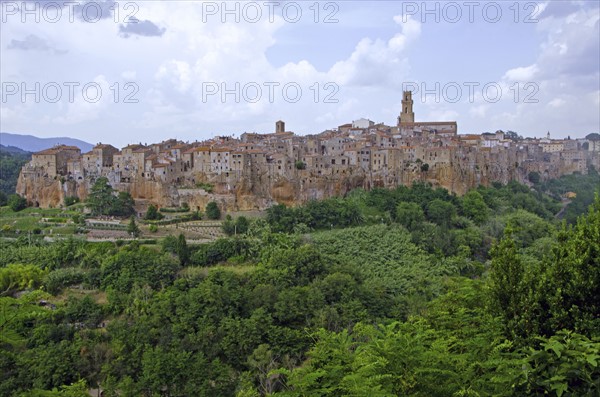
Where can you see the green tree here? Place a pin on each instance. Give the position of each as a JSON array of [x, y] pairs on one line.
[[101, 200], [16, 202], [132, 227], [242, 224], [474, 207], [19, 277], [510, 287], [123, 205], [409, 214], [152, 214], [11, 163], [564, 364], [84, 311], [228, 226], [534, 177], [574, 276], [440, 212], [213, 211], [182, 250]]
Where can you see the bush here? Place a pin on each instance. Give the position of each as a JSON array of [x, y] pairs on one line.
[[71, 200], [175, 210], [152, 214], [534, 177], [228, 226], [208, 188], [213, 211], [58, 279], [3, 198], [153, 228], [18, 277], [220, 251], [16, 202]]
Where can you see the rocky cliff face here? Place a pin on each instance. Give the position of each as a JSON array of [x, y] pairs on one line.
[[45, 192], [246, 195]]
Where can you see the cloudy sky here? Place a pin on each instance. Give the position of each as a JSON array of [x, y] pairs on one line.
[[144, 71]]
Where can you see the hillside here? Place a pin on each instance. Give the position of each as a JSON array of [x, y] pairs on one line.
[[11, 160], [32, 143], [412, 291]]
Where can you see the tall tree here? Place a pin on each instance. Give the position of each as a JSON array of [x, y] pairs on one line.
[[507, 288], [133, 228], [123, 205], [101, 199]]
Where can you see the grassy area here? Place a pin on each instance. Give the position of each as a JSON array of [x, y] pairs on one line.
[[193, 272], [98, 296], [31, 219]]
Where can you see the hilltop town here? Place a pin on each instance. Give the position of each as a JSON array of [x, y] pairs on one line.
[[256, 170]]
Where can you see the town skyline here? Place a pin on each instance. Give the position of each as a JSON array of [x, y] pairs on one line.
[[255, 170]]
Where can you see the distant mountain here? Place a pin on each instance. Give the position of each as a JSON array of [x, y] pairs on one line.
[[32, 143]]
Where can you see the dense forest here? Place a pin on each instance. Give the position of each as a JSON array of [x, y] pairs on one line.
[[411, 291], [11, 161]]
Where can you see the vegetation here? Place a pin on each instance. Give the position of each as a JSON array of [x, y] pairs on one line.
[[212, 210], [206, 186], [239, 226], [132, 228], [11, 161], [411, 291], [152, 214], [16, 202], [584, 186], [70, 200], [103, 201]]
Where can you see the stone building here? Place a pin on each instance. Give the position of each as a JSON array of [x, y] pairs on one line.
[[283, 167], [54, 160]]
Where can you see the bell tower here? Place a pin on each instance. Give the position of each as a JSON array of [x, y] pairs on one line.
[[279, 127], [406, 114]]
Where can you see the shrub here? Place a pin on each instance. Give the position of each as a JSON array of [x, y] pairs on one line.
[[16, 202], [208, 188], [152, 214], [70, 200], [213, 211], [58, 279]]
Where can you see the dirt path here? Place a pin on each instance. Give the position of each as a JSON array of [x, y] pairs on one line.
[[560, 213]]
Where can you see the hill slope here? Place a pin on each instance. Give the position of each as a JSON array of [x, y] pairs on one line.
[[11, 161]]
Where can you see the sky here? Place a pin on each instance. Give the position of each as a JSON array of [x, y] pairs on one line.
[[145, 71]]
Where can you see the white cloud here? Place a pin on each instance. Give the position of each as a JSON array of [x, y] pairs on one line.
[[522, 74], [377, 62], [177, 73]]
